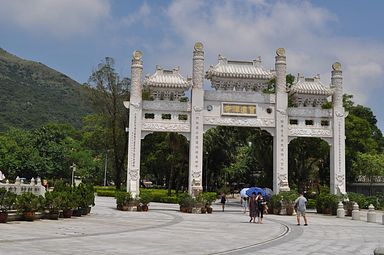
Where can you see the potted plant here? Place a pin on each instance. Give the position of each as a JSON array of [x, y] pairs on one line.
[[27, 204], [67, 203], [209, 197], [275, 204], [78, 203], [85, 197], [145, 199], [123, 200], [7, 199], [186, 202], [52, 204], [288, 199], [201, 203], [330, 204]]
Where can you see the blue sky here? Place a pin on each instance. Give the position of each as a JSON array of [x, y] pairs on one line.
[[73, 36]]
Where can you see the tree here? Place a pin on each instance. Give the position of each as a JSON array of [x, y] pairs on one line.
[[47, 152], [370, 166], [362, 134], [108, 95]]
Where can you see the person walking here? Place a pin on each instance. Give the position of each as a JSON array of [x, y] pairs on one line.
[[244, 203], [223, 199], [260, 207], [253, 207], [301, 207]]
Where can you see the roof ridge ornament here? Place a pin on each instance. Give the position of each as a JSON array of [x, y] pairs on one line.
[[336, 66], [137, 55], [280, 52], [199, 46]]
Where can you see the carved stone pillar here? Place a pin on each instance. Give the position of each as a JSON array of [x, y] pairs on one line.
[[197, 104], [280, 140], [135, 116], [337, 157]]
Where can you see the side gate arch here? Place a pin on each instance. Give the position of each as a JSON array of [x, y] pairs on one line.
[[238, 99]]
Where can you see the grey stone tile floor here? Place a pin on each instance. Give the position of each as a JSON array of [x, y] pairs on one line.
[[164, 230]]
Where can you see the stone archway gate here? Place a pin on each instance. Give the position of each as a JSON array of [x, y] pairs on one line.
[[238, 99]]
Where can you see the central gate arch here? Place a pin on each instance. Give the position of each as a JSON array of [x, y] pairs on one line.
[[238, 99]]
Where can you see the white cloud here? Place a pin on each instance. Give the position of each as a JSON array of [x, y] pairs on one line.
[[246, 29], [142, 15], [61, 18]]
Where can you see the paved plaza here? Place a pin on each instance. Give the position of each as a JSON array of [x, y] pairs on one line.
[[164, 230]]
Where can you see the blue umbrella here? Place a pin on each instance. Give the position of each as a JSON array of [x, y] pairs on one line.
[[256, 190]]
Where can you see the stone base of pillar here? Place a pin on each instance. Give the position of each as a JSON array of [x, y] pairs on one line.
[[284, 186], [355, 215], [196, 190]]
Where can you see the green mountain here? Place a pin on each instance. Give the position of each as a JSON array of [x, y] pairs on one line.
[[32, 94]]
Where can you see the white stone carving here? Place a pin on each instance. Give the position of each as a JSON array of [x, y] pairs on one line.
[[309, 132], [283, 183], [165, 126], [339, 114], [134, 174], [168, 106], [135, 105], [309, 112], [239, 121], [281, 111], [237, 82], [239, 96]]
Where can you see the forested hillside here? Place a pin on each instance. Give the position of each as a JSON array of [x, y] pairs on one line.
[[32, 94]]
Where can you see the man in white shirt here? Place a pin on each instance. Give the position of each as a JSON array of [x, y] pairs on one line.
[[300, 206]]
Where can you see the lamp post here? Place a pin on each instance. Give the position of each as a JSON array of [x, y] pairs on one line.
[[206, 171], [73, 167], [105, 168]]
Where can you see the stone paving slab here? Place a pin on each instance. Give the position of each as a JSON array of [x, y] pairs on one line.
[[164, 230]]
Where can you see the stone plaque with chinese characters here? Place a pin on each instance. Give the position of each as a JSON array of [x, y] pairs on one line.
[[238, 109]]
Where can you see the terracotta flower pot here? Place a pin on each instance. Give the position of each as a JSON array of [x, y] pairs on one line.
[[3, 217], [144, 208], [29, 216], [67, 213]]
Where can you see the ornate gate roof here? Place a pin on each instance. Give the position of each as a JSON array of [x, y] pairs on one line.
[[239, 75], [311, 86], [167, 84]]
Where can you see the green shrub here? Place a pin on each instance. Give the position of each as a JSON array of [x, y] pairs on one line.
[[372, 200], [145, 198], [7, 200], [210, 197], [28, 202], [311, 203], [358, 198], [106, 193], [123, 198], [289, 197], [97, 188], [169, 200], [160, 195], [187, 201]]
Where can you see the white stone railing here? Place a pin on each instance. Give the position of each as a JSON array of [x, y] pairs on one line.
[[19, 187]]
